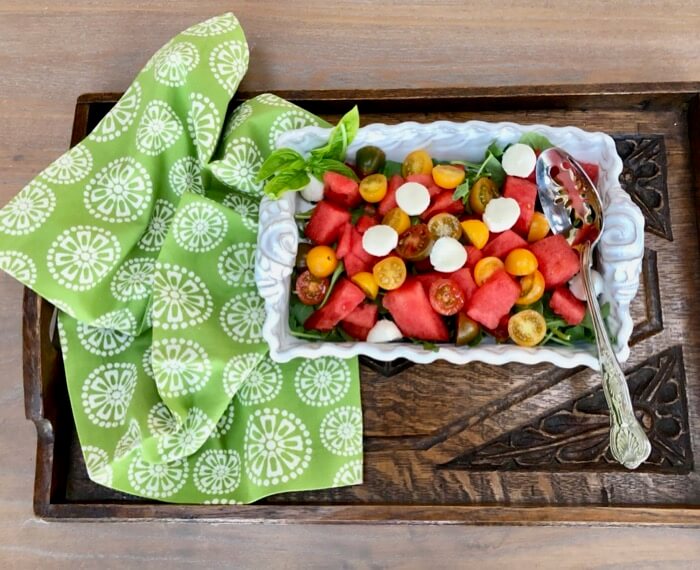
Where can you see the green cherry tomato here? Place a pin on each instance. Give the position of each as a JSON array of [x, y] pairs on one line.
[[369, 159], [467, 329]]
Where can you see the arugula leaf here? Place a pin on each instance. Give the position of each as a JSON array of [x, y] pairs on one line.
[[536, 141], [319, 166], [288, 179], [495, 150], [336, 274], [425, 344], [463, 190], [280, 159], [341, 136], [391, 167], [493, 169]]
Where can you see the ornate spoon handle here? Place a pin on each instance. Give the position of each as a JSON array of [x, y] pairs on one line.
[[628, 442]]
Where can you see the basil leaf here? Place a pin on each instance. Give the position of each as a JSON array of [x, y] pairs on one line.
[[536, 141], [336, 274], [290, 179], [278, 160], [340, 138], [319, 166]]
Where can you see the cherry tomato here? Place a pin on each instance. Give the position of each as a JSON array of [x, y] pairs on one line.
[[415, 243], [527, 328], [482, 192], [366, 281], [520, 262], [311, 290], [397, 219], [477, 232], [445, 225], [539, 227], [373, 188], [467, 329], [486, 267], [390, 273], [447, 176], [369, 159], [321, 261], [531, 288], [302, 251], [446, 297], [417, 162]]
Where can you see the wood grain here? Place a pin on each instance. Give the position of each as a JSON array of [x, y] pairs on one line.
[[50, 53]]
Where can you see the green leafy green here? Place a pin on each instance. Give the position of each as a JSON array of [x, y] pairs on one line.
[[493, 169], [431, 346], [391, 167], [320, 165], [286, 180], [560, 332], [495, 150], [341, 136], [536, 141], [298, 313], [278, 160], [490, 166], [336, 275], [304, 215]]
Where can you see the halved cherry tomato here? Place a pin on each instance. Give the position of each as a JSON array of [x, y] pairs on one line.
[[366, 281], [417, 162], [415, 243], [311, 290], [448, 176], [445, 225], [486, 267], [467, 329], [531, 288], [390, 273], [373, 188], [446, 297], [527, 328], [397, 219], [539, 227], [482, 192], [321, 261], [477, 232], [369, 159], [520, 262]]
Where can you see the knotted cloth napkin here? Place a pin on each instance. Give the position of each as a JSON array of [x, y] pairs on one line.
[[144, 237]]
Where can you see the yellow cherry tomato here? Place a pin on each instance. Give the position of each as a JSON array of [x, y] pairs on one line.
[[448, 176], [486, 267], [539, 227], [417, 162], [527, 328], [445, 225], [521, 262], [476, 232], [366, 281], [390, 273], [373, 188], [321, 261], [482, 192], [531, 288], [397, 219]]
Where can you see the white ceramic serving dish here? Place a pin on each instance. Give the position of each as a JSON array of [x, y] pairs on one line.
[[620, 249]]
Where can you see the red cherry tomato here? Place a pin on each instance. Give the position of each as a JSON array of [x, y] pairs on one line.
[[415, 243], [446, 297], [311, 290]]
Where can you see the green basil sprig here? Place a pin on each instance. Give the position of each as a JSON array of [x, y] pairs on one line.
[[285, 169], [490, 166]]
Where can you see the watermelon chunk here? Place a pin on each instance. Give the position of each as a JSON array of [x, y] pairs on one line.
[[427, 181], [410, 307], [365, 222], [341, 190], [343, 300], [423, 265], [354, 264], [389, 201], [344, 242], [358, 251], [358, 323], [568, 307], [443, 202], [473, 256], [427, 279], [493, 300], [592, 170], [524, 193], [463, 278], [326, 223], [557, 260], [503, 244]]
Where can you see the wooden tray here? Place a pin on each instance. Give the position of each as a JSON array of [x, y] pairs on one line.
[[477, 444]]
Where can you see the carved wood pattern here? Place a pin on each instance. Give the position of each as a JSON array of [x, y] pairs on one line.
[[575, 436], [653, 323]]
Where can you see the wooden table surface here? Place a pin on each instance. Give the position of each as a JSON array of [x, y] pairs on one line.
[[51, 52]]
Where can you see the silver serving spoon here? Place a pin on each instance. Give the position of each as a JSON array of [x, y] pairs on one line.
[[573, 208]]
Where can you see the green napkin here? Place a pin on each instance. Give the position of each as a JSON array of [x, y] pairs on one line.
[[144, 237]]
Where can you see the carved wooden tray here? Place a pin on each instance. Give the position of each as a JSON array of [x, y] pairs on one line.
[[477, 444]]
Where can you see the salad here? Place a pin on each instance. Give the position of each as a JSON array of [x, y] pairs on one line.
[[429, 250]]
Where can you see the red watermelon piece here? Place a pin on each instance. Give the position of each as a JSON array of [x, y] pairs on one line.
[[410, 307], [358, 323], [473, 256], [326, 223], [427, 279], [423, 265], [500, 333], [463, 278], [493, 300], [365, 222], [343, 300], [589, 232], [592, 170], [354, 264], [568, 307], [358, 251], [344, 242], [503, 244], [389, 201], [427, 181], [443, 202], [557, 260], [524, 193], [341, 190]]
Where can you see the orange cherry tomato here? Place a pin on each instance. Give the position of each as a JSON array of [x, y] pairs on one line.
[[520, 262], [417, 162], [477, 232], [447, 176], [531, 288], [373, 188], [390, 273], [485, 268], [366, 281], [527, 328], [539, 227], [321, 261], [397, 219]]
